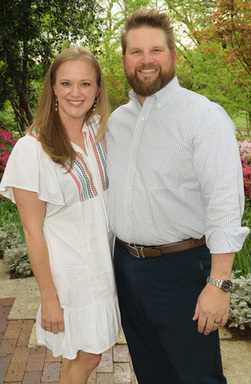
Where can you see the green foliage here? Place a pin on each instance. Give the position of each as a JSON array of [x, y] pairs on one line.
[[242, 261], [213, 44], [9, 215], [204, 72], [12, 243], [31, 32], [227, 37], [15, 255], [240, 303], [6, 118]]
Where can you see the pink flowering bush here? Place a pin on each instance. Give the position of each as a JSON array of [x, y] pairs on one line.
[[245, 151], [6, 144], [242, 261]]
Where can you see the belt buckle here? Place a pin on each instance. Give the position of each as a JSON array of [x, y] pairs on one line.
[[139, 251]]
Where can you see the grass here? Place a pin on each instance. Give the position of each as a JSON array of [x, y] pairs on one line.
[[241, 123]]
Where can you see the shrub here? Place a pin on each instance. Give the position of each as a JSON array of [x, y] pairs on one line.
[[17, 261], [245, 152], [242, 262], [12, 243], [7, 143], [240, 303]]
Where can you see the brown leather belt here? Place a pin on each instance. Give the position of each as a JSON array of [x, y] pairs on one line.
[[156, 251]]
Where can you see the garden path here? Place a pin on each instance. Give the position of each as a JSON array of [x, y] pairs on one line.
[[23, 361]]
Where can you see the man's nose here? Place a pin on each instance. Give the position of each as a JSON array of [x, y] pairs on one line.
[[147, 57]]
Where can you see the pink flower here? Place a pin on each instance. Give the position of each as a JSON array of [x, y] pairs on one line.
[[245, 152], [7, 143]]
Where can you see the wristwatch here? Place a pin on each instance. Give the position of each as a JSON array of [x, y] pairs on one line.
[[225, 285]]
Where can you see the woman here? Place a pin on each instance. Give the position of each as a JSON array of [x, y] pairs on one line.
[[56, 174]]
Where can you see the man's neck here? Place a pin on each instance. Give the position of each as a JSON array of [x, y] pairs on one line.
[[141, 99]]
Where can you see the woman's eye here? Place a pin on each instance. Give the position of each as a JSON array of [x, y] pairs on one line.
[[66, 84], [85, 84]]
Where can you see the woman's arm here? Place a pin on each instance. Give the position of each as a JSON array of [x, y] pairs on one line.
[[32, 213]]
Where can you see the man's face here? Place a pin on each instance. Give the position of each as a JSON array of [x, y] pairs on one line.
[[148, 62]]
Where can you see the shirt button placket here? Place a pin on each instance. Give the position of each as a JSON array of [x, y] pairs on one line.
[[131, 176]]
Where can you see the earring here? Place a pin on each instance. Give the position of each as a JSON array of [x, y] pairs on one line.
[[56, 103], [94, 104]]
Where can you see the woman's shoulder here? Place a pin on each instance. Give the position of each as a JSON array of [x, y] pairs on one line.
[[26, 143], [28, 146], [28, 139]]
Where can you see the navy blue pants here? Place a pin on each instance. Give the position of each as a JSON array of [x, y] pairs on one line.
[[157, 301]]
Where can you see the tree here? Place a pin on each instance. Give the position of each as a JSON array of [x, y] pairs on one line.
[[189, 15], [31, 32], [232, 30], [229, 38]]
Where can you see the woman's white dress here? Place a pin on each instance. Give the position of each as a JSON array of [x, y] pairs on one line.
[[76, 229]]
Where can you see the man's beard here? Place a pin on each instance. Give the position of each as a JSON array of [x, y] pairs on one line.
[[148, 87]]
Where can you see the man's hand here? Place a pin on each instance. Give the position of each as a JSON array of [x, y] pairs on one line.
[[212, 309]]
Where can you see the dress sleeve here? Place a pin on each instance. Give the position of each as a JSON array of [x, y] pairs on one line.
[[29, 168]]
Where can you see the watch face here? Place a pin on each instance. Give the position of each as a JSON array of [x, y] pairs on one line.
[[226, 285]]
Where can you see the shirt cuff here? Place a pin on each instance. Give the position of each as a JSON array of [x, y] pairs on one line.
[[229, 240]]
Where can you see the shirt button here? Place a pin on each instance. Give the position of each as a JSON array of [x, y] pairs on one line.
[[142, 118], [129, 189]]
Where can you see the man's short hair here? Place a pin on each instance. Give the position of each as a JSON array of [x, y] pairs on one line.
[[150, 18]]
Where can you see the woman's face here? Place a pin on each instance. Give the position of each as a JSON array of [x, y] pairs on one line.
[[76, 89]]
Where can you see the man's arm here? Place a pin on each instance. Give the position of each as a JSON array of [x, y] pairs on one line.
[[213, 304]]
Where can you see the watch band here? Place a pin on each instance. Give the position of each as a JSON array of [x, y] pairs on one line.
[[225, 285]]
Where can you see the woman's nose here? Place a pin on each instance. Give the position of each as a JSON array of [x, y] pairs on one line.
[[75, 91]]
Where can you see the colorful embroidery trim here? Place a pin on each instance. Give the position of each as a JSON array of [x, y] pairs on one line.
[[81, 173], [100, 154]]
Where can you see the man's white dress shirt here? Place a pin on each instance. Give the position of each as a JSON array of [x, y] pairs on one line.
[[174, 171]]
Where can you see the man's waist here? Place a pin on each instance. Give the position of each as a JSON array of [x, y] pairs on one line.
[[141, 251]]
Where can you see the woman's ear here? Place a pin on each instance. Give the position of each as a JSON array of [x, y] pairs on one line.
[[98, 92]]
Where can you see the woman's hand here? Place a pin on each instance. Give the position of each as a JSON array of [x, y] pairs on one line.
[[52, 318]]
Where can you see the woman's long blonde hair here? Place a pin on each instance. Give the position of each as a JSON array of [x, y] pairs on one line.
[[48, 126]]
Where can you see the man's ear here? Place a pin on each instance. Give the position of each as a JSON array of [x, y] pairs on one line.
[[175, 58], [123, 61]]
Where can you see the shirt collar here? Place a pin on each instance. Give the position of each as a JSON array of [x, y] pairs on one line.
[[163, 95]]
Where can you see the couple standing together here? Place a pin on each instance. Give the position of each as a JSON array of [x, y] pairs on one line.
[[174, 203]]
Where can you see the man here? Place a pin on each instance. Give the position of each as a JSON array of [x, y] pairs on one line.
[[176, 202]]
